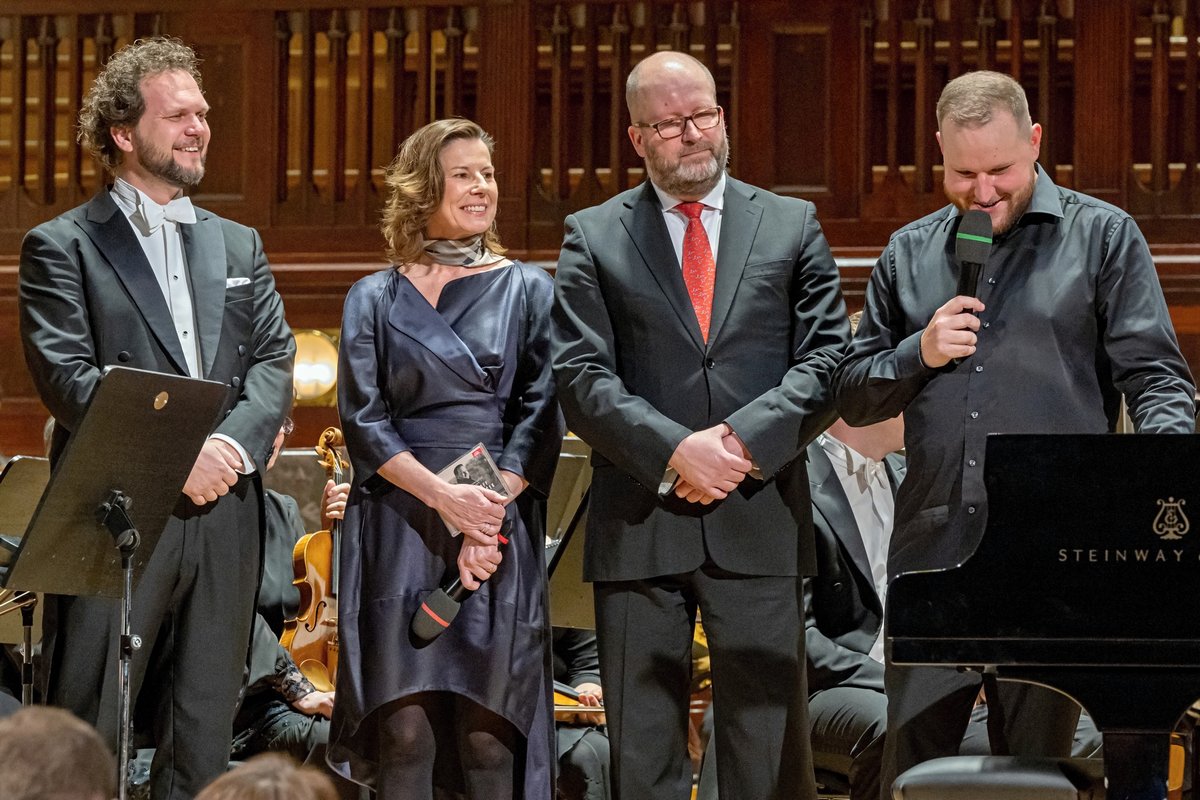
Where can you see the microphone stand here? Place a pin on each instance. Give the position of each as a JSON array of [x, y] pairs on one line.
[[26, 603], [114, 515]]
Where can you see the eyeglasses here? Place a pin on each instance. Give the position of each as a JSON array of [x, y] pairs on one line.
[[673, 128]]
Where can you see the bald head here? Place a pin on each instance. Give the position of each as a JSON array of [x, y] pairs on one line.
[[660, 72]]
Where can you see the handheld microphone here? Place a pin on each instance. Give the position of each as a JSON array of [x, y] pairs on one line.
[[440, 608], [972, 246]]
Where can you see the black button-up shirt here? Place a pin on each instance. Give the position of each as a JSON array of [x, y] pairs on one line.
[[1075, 317]]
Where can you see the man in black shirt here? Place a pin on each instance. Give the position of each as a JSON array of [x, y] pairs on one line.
[[1069, 317]]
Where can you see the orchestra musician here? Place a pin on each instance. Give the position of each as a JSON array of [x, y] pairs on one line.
[[281, 710], [445, 350], [1069, 317], [138, 277]]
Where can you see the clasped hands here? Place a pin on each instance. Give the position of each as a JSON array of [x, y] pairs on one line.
[[711, 463], [479, 514]]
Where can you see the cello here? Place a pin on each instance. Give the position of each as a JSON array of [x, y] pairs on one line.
[[312, 637]]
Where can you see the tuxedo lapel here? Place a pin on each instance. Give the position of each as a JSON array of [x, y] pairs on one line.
[[739, 225], [830, 499], [204, 248], [412, 315], [113, 237], [644, 223]]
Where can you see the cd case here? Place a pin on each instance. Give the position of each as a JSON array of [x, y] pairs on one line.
[[476, 467]]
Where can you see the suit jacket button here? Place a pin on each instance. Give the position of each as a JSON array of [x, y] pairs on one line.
[[709, 363], [241, 349], [236, 382], [837, 586], [123, 356]]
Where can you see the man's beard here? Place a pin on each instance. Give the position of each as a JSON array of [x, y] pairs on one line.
[[1018, 204], [683, 179], [162, 165]]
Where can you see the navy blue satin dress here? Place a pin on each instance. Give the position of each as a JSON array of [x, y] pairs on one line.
[[435, 382]]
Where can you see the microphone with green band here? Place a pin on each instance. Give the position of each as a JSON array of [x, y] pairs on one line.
[[972, 246]]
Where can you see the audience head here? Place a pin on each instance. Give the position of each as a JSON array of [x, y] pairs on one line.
[[270, 776], [50, 754], [441, 186], [677, 127]]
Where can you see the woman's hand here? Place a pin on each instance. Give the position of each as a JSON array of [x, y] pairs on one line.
[[477, 563], [474, 510]]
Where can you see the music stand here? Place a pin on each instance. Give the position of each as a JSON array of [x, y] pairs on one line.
[[571, 602], [22, 479], [129, 458]]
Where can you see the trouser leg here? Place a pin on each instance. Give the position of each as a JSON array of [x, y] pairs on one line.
[[755, 629], [644, 631]]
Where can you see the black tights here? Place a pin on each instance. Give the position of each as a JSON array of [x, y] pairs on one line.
[[411, 733]]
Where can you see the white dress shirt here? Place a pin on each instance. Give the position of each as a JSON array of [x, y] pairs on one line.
[[710, 216], [158, 232], [867, 487], [161, 239]]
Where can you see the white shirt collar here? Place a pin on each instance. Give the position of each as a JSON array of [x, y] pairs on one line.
[[146, 214], [714, 199], [847, 460]]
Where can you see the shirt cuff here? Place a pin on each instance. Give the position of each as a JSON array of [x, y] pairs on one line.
[[248, 467], [669, 479]]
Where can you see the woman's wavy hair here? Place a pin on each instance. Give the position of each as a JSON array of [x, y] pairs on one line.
[[115, 98], [417, 184]]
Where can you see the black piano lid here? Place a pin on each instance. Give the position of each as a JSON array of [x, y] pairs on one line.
[[1090, 556]]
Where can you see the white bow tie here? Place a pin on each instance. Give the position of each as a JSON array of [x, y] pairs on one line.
[[149, 216], [869, 470]]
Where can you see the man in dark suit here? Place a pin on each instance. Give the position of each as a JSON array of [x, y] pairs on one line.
[[137, 277], [697, 323]]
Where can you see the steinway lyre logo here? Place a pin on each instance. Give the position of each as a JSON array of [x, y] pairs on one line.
[[1171, 523]]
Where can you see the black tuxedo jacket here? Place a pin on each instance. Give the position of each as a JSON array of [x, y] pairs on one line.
[[842, 610], [635, 378], [89, 299]]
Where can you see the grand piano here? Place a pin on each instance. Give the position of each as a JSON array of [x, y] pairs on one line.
[[1086, 579]]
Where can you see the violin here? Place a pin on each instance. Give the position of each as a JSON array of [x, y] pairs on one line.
[[312, 637]]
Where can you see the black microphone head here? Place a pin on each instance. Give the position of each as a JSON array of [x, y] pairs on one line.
[[973, 242], [434, 616]]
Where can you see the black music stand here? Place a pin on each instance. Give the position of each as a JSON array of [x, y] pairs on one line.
[[23, 479], [133, 452], [571, 603]]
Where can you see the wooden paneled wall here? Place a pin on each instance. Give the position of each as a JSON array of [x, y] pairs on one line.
[[826, 99]]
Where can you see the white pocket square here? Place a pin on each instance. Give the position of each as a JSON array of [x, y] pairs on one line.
[[231, 282]]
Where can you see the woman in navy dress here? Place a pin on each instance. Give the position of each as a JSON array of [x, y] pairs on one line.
[[446, 349]]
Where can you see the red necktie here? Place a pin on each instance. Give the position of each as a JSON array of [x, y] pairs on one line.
[[699, 269]]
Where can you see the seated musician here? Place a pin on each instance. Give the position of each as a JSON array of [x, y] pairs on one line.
[[582, 744], [281, 709], [853, 475]]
